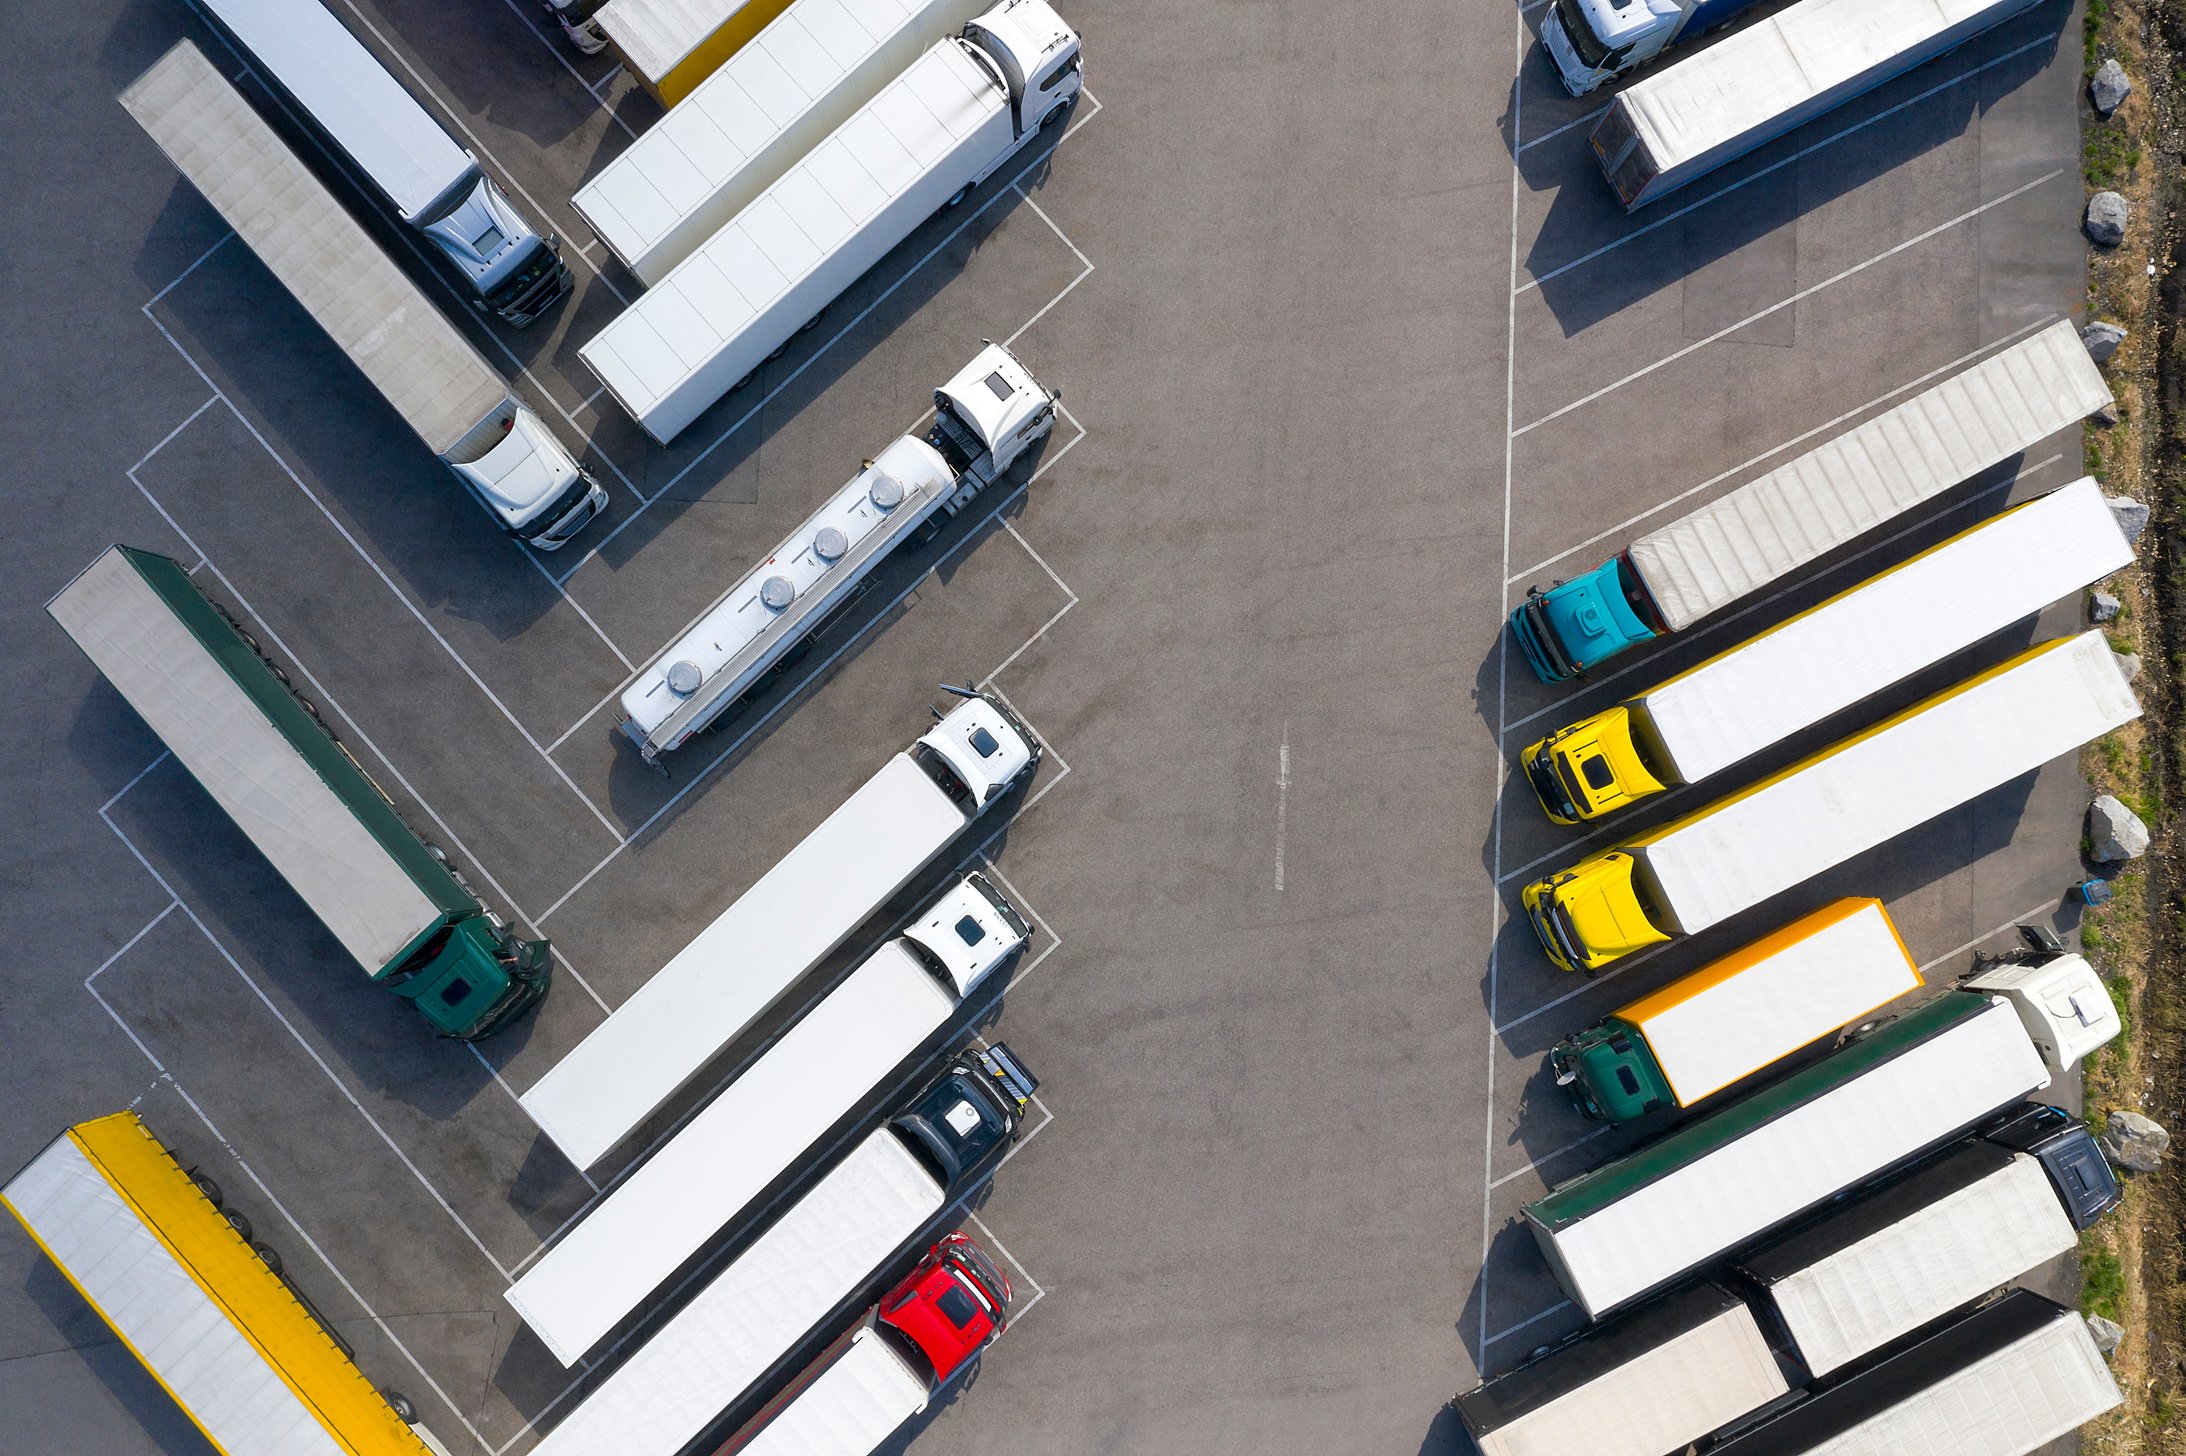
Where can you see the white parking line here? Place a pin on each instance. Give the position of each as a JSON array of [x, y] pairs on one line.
[[1803, 294], [1502, 681], [1557, 132], [298, 1036], [791, 695], [1773, 167], [1508, 1330], [1549, 1156], [1628, 522], [312, 1244], [381, 572], [354, 727]]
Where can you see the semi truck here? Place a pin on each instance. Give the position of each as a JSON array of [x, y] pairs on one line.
[[1590, 42], [985, 420], [1690, 118], [738, 967], [173, 1272], [394, 903], [2002, 1380], [1828, 658], [827, 1248], [397, 153], [670, 46], [947, 123], [1728, 1177], [768, 1120], [689, 174], [1791, 517], [1715, 1352], [922, 1335], [1704, 867], [1729, 1020], [433, 377]]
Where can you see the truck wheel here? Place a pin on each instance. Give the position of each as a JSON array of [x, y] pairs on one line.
[[268, 1256], [240, 1224], [778, 353], [812, 323], [400, 1405], [206, 1186], [961, 194]]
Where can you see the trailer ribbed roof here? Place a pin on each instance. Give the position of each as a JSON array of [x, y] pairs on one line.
[[412, 355], [1799, 511]]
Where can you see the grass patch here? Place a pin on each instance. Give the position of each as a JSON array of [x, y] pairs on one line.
[[2107, 156], [2098, 13], [2102, 1280]]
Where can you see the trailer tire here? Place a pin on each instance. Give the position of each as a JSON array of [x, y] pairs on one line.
[[961, 194], [236, 1221], [206, 1186], [812, 323], [778, 353], [267, 1255], [401, 1406]]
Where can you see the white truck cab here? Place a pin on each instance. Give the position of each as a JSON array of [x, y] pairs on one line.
[[1594, 41], [1035, 54], [968, 932], [2061, 1001], [991, 413], [533, 486], [985, 750]]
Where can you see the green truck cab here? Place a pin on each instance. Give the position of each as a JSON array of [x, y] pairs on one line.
[[264, 756]]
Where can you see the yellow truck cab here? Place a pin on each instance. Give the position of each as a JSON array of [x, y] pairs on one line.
[[1594, 913], [1592, 767]]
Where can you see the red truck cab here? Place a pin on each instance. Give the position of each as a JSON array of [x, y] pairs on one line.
[[950, 1305]]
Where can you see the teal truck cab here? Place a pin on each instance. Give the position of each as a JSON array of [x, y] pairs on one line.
[[1576, 624]]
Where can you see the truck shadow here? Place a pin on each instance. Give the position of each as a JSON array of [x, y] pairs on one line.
[[1590, 260]]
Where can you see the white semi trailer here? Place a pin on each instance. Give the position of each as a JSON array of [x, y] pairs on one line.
[[1664, 130], [1724, 1180], [768, 1120], [985, 419], [946, 124], [403, 156], [919, 803], [689, 174], [431, 375], [828, 1247], [1719, 861], [1714, 716]]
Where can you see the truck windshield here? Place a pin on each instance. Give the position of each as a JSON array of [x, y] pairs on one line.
[[1592, 53]]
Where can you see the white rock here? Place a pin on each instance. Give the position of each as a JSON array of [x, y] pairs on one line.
[[2114, 832], [2106, 218], [2110, 87]]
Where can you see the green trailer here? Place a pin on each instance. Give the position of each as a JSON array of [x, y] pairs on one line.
[[229, 717]]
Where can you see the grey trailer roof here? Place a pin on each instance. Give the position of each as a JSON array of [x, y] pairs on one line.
[[350, 94], [1947, 434], [429, 372], [250, 768]]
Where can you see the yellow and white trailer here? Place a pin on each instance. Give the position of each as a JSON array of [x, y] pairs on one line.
[[201, 1308]]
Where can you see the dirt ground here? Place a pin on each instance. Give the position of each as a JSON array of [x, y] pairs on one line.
[[2135, 1262]]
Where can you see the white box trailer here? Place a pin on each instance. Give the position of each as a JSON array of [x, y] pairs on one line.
[[1830, 657], [1928, 1243], [649, 1047], [434, 378], [1725, 1179], [199, 1305], [1703, 868], [1652, 1382], [960, 111], [766, 1121], [1837, 492], [690, 173], [1664, 130], [2003, 1380], [985, 418], [402, 155], [831, 1244]]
